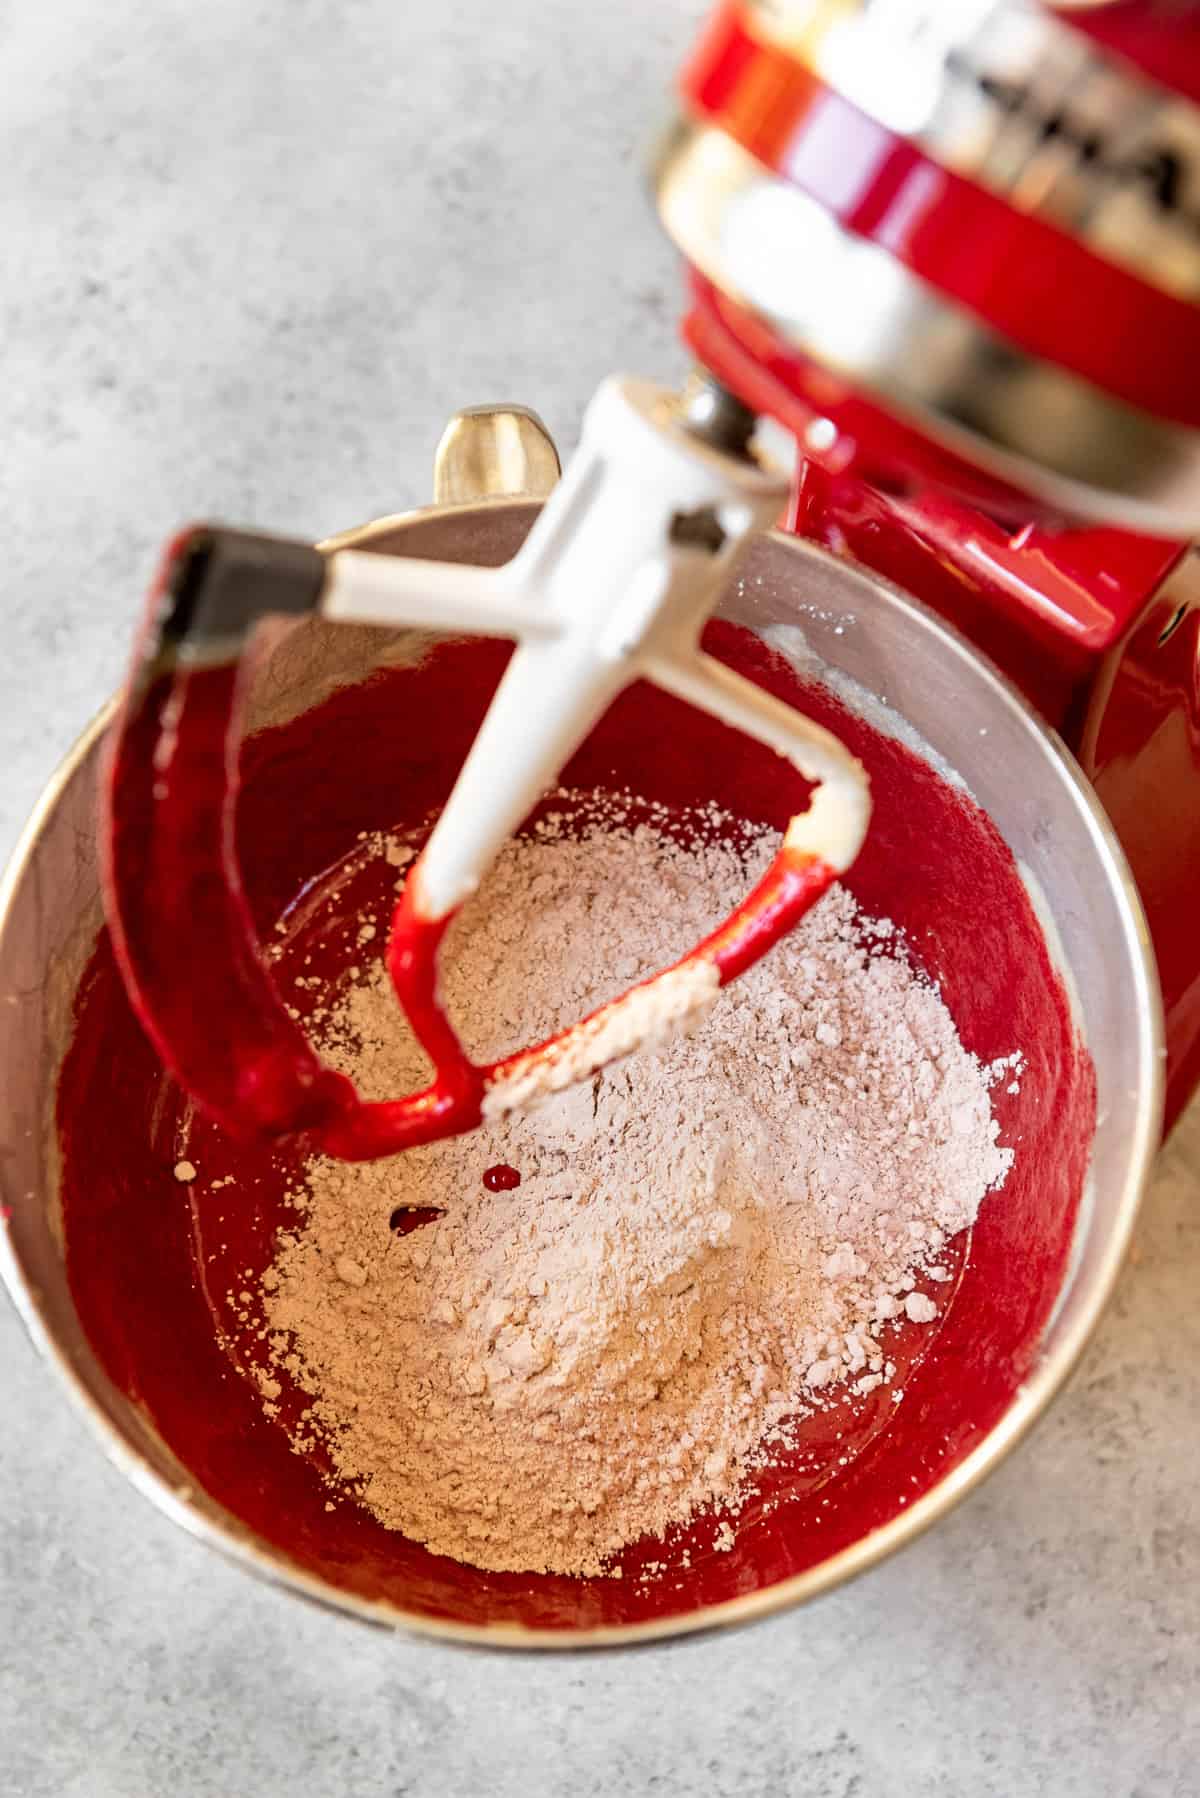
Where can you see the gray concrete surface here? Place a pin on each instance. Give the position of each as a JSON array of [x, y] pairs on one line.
[[254, 253]]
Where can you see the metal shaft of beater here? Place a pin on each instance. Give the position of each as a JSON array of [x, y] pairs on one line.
[[716, 415]]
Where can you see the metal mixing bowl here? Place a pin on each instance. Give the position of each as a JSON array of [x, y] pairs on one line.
[[819, 610]]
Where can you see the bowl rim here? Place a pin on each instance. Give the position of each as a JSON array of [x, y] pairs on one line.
[[1029, 1404]]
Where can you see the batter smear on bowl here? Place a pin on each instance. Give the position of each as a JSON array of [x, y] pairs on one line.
[[707, 1240]]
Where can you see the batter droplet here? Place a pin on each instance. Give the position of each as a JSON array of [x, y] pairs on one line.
[[407, 1218], [501, 1178]]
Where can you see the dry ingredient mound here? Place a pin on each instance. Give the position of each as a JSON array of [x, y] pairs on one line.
[[707, 1240]]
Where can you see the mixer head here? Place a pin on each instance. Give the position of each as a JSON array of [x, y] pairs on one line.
[[956, 240], [613, 584]]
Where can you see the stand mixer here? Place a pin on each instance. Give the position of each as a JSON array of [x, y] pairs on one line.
[[953, 248], [955, 468]]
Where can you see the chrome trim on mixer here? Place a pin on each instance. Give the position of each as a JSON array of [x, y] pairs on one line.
[[1014, 99], [848, 304]]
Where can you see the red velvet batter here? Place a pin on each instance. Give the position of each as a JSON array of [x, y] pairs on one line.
[[150, 1261]]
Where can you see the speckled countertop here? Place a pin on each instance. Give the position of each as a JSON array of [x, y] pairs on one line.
[[255, 253]]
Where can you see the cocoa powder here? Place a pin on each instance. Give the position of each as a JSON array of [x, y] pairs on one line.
[[708, 1238]]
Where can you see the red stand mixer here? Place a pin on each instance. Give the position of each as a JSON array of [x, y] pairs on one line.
[[953, 249]]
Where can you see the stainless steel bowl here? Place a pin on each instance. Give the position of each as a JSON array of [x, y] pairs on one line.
[[816, 609]]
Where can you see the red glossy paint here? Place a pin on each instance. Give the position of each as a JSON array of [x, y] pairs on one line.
[[501, 1178], [1160, 37], [1141, 747], [151, 1262], [1020, 273]]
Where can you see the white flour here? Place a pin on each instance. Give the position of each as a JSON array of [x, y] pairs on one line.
[[706, 1240]]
